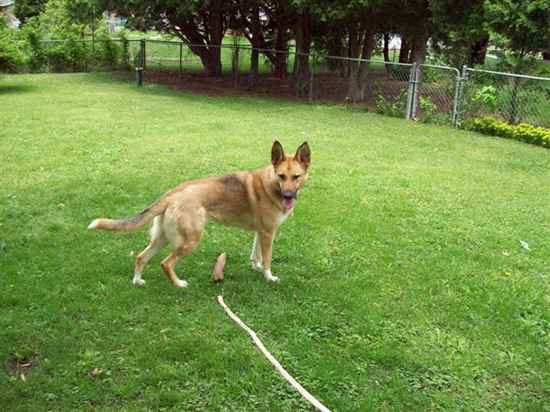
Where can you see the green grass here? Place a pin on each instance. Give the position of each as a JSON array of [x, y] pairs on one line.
[[404, 286]]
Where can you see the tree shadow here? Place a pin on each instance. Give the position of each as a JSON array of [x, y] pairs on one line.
[[16, 88]]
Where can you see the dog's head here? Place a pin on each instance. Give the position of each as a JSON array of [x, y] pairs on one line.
[[290, 171]]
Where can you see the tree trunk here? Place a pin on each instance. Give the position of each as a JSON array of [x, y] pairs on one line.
[[386, 47], [355, 41], [404, 50], [281, 58], [546, 55], [418, 56], [419, 49], [369, 43], [256, 33], [215, 28], [478, 51], [303, 46]]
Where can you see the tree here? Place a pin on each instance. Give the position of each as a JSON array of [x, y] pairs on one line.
[[25, 9], [524, 25], [460, 31], [201, 24]]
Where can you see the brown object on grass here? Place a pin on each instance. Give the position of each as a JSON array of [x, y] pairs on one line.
[[217, 274]]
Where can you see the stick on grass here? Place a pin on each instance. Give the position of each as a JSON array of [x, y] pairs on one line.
[[305, 394]]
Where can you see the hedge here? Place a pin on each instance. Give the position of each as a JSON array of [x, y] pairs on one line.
[[527, 133]]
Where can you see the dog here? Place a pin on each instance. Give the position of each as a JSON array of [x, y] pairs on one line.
[[259, 200]]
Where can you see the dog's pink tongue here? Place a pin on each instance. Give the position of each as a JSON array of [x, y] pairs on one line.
[[288, 203]]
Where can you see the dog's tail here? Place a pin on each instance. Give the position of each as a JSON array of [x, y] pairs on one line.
[[134, 223]]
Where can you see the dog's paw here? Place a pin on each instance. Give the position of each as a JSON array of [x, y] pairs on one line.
[[273, 279], [256, 266], [138, 282], [180, 284], [270, 278]]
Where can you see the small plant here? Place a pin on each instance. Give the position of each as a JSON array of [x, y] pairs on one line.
[[392, 106], [428, 109], [487, 96]]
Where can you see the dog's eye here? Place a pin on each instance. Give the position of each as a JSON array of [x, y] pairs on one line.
[[282, 177], [295, 177]]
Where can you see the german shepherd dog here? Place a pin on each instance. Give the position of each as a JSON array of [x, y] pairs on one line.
[[259, 200]]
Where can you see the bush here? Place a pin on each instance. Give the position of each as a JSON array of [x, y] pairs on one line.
[[428, 110], [67, 55], [35, 52], [11, 57], [392, 106], [523, 132]]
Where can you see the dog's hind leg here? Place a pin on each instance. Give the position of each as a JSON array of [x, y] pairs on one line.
[[169, 262], [157, 243], [184, 230], [256, 255]]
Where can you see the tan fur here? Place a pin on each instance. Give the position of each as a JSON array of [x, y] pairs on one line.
[[249, 200]]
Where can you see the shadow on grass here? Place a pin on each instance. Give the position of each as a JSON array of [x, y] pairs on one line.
[[150, 87], [17, 88]]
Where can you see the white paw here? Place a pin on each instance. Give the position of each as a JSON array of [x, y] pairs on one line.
[[138, 282], [270, 278], [257, 266], [181, 283], [273, 279]]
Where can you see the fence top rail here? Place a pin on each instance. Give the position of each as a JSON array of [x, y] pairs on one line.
[[437, 66], [521, 76], [357, 59], [78, 40]]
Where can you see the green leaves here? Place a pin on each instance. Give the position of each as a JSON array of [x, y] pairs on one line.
[[524, 24], [539, 136]]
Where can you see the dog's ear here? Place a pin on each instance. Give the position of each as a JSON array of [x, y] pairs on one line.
[[303, 154], [277, 153]]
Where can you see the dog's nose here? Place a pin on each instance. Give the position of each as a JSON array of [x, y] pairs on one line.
[[289, 194]]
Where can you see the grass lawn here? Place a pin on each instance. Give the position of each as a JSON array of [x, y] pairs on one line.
[[404, 286]]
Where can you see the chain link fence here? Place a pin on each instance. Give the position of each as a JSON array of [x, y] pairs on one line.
[[61, 56], [511, 98], [427, 93]]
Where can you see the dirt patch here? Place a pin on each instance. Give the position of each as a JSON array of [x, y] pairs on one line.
[[21, 366], [329, 88]]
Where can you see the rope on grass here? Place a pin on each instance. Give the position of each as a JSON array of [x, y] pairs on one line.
[[305, 394]]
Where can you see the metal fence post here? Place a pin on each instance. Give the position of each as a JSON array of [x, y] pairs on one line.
[[143, 54], [463, 77], [126, 52], [456, 99], [141, 66], [411, 92], [181, 60], [311, 78], [235, 63]]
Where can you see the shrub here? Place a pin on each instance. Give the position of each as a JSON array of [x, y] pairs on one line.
[[11, 57], [35, 52], [486, 95], [67, 55], [106, 51], [392, 106], [523, 132], [429, 111]]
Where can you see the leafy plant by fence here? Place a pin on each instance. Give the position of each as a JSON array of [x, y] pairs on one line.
[[511, 98]]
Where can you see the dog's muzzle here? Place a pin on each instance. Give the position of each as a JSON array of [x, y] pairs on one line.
[[289, 199]]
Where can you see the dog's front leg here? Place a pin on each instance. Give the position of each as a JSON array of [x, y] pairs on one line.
[[266, 245], [256, 255]]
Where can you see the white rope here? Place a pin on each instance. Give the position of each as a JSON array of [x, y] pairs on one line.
[[305, 394]]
